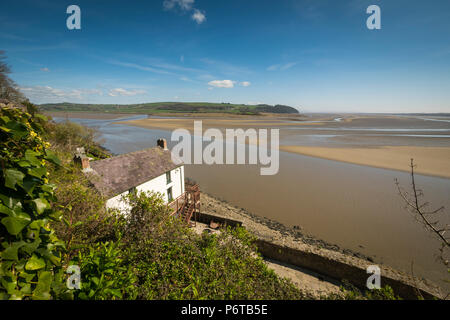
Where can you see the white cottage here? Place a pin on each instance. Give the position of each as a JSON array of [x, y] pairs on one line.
[[145, 170]]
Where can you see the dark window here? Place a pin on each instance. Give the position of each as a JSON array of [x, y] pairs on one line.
[[169, 194], [168, 177]]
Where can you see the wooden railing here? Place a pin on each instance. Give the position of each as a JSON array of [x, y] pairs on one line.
[[186, 205]]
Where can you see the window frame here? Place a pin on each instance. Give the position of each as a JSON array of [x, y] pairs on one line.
[[169, 194]]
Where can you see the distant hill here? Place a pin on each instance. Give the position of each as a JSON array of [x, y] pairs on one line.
[[170, 107]]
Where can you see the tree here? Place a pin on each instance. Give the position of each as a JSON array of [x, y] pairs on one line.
[[430, 218], [8, 88]]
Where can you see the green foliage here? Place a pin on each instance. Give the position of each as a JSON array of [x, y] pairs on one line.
[[384, 293], [30, 257], [353, 293], [66, 136], [8, 88], [85, 218], [172, 262], [104, 276]]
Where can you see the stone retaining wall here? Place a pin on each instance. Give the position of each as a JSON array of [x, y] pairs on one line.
[[335, 269], [324, 265]]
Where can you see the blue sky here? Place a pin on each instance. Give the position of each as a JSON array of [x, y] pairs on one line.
[[316, 55]]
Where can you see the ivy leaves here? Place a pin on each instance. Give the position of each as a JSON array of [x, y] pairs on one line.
[[13, 177], [30, 263]]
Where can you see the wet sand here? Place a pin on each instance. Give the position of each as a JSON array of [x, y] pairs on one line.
[[359, 147], [242, 122], [434, 161]]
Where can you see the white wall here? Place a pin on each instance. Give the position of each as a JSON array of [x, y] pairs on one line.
[[158, 184]]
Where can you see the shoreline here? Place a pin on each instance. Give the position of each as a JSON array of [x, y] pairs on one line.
[[279, 234], [267, 227]]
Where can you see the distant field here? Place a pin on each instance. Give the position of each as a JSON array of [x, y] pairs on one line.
[[170, 107]]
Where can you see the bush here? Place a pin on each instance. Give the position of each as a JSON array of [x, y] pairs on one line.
[[30, 258], [66, 136], [172, 262], [104, 276]]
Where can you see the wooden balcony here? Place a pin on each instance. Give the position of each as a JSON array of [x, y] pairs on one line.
[[187, 204]]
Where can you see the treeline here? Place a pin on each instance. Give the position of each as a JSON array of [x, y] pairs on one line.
[[171, 107]]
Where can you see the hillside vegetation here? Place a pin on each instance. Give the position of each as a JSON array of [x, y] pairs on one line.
[[52, 219], [171, 107]]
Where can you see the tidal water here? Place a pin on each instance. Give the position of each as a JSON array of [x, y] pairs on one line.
[[356, 207]]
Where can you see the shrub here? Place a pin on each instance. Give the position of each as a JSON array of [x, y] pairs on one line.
[[104, 276], [173, 262], [30, 258], [67, 135]]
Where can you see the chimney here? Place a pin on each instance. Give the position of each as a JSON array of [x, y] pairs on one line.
[[85, 164], [83, 160], [162, 143]]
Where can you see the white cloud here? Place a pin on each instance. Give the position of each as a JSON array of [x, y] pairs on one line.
[[123, 92], [245, 83], [222, 83], [198, 16], [45, 69], [185, 6]]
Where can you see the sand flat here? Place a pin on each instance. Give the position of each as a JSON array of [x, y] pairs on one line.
[[433, 161], [188, 123], [430, 160]]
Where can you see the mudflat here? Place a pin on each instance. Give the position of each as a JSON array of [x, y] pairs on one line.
[[433, 161], [382, 141]]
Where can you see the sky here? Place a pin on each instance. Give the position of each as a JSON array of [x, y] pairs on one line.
[[315, 55]]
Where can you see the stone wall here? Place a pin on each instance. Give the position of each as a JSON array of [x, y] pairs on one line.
[[326, 265]]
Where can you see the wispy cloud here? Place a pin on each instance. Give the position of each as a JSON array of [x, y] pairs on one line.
[[245, 83], [123, 92], [50, 94], [42, 94], [182, 4], [158, 63], [281, 67], [138, 67], [45, 69]]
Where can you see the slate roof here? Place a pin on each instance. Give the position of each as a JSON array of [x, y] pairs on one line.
[[116, 175]]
